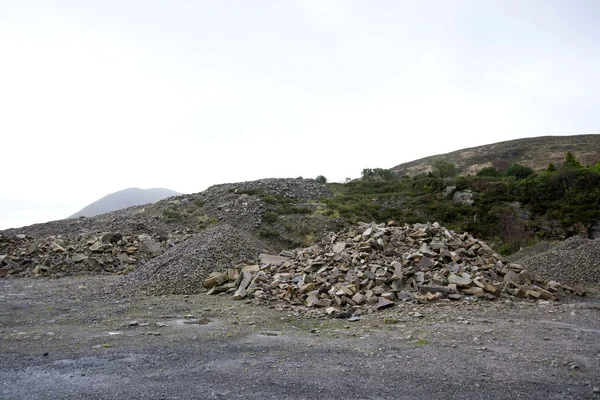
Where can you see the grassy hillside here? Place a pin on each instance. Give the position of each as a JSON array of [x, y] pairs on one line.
[[532, 152]]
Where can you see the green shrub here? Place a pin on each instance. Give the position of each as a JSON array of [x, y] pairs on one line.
[[270, 217], [489, 171], [321, 179], [519, 171], [172, 214]]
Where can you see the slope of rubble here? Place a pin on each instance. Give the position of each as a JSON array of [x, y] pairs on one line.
[[370, 267], [183, 269], [82, 246], [234, 203], [97, 253], [576, 261]]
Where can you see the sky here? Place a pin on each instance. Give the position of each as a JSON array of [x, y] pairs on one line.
[[102, 95]]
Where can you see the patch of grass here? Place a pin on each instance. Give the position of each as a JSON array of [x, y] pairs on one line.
[[310, 239], [270, 217], [204, 221], [422, 342], [199, 203], [172, 214], [268, 233]]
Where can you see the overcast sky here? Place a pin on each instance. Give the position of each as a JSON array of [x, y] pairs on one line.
[[99, 96]]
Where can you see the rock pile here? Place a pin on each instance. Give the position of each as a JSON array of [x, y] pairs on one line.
[[183, 269], [56, 256], [371, 267], [576, 261]]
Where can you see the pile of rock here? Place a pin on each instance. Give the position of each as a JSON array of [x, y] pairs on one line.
[[371, 267], [56, 256], [182, 269], [576, 261]]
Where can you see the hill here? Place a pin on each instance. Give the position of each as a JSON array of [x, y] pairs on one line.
[[535, 153], [123, 199]]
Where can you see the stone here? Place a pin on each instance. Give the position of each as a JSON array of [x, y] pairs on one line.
[[271, 259], [433, 289], [384, 303], [512, 276], [312, 301], [358, 298], [79, 257], [151, 248], [215, 279], [57, 248], [112, 237], [241, 291], [526, 277], [463, 280], [97, 247], [338, 247]]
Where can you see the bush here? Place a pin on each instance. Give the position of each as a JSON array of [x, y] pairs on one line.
[[489, 172], [443, 169], [378, 174], [172, 214], [321, 179], [270, 217], [519, 171]]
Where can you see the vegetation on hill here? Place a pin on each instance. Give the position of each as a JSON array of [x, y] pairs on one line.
[[534, 153], [510, 208]]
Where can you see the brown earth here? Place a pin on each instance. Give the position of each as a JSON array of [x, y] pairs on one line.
[[58, 341]]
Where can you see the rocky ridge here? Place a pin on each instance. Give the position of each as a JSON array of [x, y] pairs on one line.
[[370, 267]]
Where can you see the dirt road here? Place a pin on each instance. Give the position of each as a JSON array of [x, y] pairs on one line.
[[58, 342]]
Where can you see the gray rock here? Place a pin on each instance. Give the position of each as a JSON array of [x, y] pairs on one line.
[[151, 248]]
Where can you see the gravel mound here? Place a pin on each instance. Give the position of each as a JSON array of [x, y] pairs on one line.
[[576, 261], [532, 250], [182, 269]]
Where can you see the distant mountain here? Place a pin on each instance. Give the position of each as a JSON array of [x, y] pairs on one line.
[[535, 152], [123, 199]]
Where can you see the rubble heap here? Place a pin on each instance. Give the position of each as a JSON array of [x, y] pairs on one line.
[[370, 267], [56, 256]]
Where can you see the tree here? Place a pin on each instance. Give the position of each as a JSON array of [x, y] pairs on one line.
[[378, 174], [321, 179], [571, 161], [519, 171], [551, 168], [443, 169], [489, 171]]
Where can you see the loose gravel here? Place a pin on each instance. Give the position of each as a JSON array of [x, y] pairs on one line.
[[183, 269], [576, 261]]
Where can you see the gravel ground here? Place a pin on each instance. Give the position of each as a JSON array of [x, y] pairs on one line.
[[183, 268], [576, 261], [57, 342]]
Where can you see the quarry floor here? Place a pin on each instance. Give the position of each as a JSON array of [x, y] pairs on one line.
[[59, 342]]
